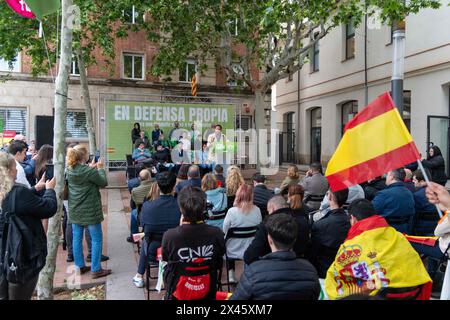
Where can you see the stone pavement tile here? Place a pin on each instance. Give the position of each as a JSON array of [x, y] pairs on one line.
[[119, 284], [65, 276]]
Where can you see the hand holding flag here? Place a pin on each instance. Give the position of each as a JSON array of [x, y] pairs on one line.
[[375, 141]]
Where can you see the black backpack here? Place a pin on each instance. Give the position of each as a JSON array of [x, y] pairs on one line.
[[21, 256]]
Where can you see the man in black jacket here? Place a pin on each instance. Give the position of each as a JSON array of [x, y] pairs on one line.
[[329, 232], [261, 195], [260, 246], [279, 275]]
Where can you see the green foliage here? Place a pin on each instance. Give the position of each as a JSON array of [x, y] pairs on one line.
[[274, 33]]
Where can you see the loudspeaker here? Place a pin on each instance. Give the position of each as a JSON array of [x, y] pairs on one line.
[[44, 130]]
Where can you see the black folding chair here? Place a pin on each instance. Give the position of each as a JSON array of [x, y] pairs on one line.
[[131, 167], [314, 199], [236, 233], [150, 265]]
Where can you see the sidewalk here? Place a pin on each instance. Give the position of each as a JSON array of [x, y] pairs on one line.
[[65, 277]]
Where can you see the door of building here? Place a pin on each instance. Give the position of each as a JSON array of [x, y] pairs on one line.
[[438, 132]]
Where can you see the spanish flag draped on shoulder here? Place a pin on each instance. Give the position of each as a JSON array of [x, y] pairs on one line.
[[375, 257], [375, 141]]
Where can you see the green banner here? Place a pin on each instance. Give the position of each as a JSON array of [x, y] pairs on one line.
[[41, 8], [121, 116], [1, 125]]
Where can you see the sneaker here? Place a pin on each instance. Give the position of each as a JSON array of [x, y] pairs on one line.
[[69, 258], [138, 282], [101, 273], [104, 258], [231, 276]]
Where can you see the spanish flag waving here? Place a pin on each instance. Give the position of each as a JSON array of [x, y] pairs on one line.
[[375, 141], [374, 257]]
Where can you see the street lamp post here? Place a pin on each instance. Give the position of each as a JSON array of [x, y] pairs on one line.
[[398, 65]]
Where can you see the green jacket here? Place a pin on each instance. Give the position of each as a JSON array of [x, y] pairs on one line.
[[85, 203]]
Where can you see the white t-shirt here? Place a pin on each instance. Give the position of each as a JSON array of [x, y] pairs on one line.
[[21, 177]]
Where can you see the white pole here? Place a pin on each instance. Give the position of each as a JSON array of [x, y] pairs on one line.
[[428, 183]]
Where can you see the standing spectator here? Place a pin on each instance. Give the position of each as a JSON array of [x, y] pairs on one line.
[[30, 209], [395, 203], [233, 181], [292, 178], [155, 134], [376, 259], [40, 161], [135, 132], [18, 149], [138, 196], [193, 180], [142, 139], [216, 199], [409, 184], [436, 164], [157, 217], [261, 195], [85, 207], [199, 240], [315, 184], [243, 214], [267, 278], [329, 233], [260, 246], [218, 173]]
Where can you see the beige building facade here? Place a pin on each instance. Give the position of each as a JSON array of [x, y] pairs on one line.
[[312, 107]]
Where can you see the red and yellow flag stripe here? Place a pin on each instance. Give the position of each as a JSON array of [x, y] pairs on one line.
[[375, 142]]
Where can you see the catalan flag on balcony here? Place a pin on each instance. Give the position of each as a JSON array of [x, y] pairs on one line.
[[375, 141]]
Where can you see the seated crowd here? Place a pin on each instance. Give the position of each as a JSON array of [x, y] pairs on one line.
[[297, 234]]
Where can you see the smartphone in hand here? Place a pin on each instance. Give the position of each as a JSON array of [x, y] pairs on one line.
[[49, 171]]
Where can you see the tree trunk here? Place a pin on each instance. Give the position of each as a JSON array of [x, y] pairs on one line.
[[86, 102], [45, 284], [260, 124]]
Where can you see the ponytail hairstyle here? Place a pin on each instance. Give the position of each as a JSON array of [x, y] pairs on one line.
[[76, 155]]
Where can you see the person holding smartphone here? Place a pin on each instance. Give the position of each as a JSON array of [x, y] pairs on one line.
[[85, 207]]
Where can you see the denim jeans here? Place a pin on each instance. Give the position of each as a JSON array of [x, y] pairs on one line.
[[97, 242], [134, 223]]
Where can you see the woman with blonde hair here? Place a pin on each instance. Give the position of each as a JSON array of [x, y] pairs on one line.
[[27, 207], [154, 192], [85, 207], [216, 200], [233, 181], [243, 214], [293, 177]]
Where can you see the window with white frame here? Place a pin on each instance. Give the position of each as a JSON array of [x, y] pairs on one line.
[[10, 66], [14, 119], [188, 70], [133, 66], [350, 40], [315, 54], [74, 69], [131, 15], [76, 124]]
